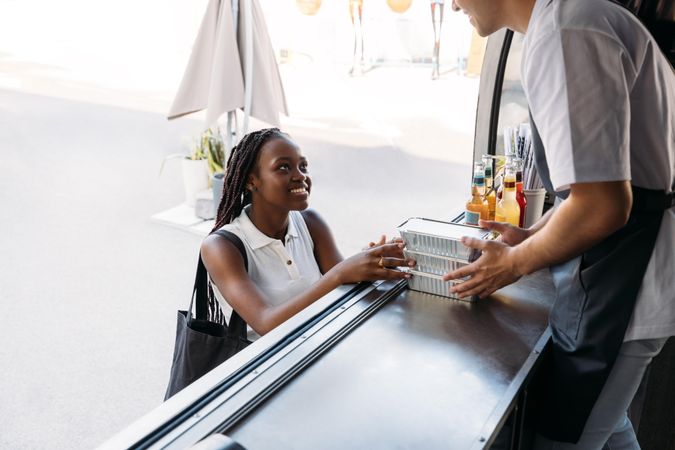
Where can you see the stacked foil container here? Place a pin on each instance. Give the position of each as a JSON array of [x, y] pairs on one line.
[[436, 247]]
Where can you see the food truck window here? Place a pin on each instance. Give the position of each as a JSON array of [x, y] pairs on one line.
[[513, 109], [501, 100]]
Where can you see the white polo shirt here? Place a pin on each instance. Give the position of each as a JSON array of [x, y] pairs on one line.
[[603, 97], [280, 271]]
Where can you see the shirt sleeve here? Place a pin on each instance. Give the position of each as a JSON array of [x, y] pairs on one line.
[[578, 84]]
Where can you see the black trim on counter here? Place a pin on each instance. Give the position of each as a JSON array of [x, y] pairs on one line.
[[259, 378], [510, 399], [165, 428]]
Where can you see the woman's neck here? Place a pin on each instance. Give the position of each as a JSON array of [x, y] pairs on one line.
[[271, 223]]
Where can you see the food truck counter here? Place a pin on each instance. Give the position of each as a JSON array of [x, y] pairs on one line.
[[422, 372], [385, 367]]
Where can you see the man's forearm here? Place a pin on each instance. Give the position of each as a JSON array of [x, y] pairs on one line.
[[543, 220], [576, 225]]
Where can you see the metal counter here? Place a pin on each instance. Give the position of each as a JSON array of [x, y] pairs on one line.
[[423, 372], [385, 367]]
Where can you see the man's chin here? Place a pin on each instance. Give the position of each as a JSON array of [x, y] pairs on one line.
[[481, 30]]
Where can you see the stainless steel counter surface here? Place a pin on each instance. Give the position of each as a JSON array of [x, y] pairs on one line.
[[422, 372]]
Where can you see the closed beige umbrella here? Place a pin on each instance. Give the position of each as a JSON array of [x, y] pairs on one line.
[[232, 66]]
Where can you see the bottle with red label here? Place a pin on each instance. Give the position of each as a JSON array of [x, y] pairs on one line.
[[520, 195]]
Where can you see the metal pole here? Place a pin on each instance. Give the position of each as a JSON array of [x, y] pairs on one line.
[[228, 138], [231, 115], [248, 70]]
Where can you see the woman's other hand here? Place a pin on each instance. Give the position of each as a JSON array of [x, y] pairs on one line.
[[382, 241], [509, 234], [376, 263]]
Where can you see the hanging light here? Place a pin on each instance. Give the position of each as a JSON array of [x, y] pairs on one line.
[[308, 7], [399, 6]]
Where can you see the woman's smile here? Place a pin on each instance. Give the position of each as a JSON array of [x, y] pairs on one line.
[[302, 191]]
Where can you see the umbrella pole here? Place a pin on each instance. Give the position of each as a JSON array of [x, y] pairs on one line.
[[248, 70], [235, 15], [228, 139], [234, 136]]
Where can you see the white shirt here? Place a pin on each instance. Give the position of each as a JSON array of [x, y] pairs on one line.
[[279, 271], [603, 97]]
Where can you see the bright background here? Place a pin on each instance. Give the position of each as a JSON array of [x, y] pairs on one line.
[[89, 285]]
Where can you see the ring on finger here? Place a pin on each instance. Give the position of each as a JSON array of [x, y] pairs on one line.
[[381, 261]]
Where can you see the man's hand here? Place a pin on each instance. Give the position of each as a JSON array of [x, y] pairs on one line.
[[493, 270], [508, 234], [568, 231]]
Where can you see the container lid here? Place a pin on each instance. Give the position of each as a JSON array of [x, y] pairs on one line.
[[441, 229]]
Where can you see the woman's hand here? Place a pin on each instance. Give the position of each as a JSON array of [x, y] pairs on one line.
[[382, 241], [509, 234], [375, 263]]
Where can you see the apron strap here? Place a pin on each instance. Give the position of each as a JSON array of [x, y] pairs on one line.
[[540, 161], [649, 200]]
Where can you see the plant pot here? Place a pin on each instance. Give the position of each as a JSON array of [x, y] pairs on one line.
[[195, 178], [217, 182]]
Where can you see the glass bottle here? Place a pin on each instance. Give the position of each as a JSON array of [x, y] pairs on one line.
[[508, 209], [520, 195], [509, 161], [490, 194], [476, 207]]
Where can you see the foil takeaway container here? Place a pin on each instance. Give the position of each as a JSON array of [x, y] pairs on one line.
[[437, 248]]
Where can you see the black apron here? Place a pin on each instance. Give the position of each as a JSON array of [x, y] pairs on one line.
[[595, 297]]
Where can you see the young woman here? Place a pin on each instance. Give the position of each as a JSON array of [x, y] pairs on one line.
[[292, 257]]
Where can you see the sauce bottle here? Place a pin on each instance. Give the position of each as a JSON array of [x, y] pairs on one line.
[[508, 209], [477, 207], [490, 194], [520, 195]]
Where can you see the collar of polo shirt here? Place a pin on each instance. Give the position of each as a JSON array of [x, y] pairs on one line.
[[257, 239]]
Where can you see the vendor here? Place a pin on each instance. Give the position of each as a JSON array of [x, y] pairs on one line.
[[602, 103]]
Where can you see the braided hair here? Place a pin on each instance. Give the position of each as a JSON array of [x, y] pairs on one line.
[[241, 162], [239, 166]]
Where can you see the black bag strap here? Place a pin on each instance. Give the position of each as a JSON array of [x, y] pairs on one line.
[[236, 326]]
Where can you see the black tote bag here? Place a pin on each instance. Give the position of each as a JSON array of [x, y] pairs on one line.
[[201, 344]]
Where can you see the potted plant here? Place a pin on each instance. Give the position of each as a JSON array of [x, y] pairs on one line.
[[205, 160], [212, 145]]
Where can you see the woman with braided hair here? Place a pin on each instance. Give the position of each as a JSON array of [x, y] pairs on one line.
[[292, 257]]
